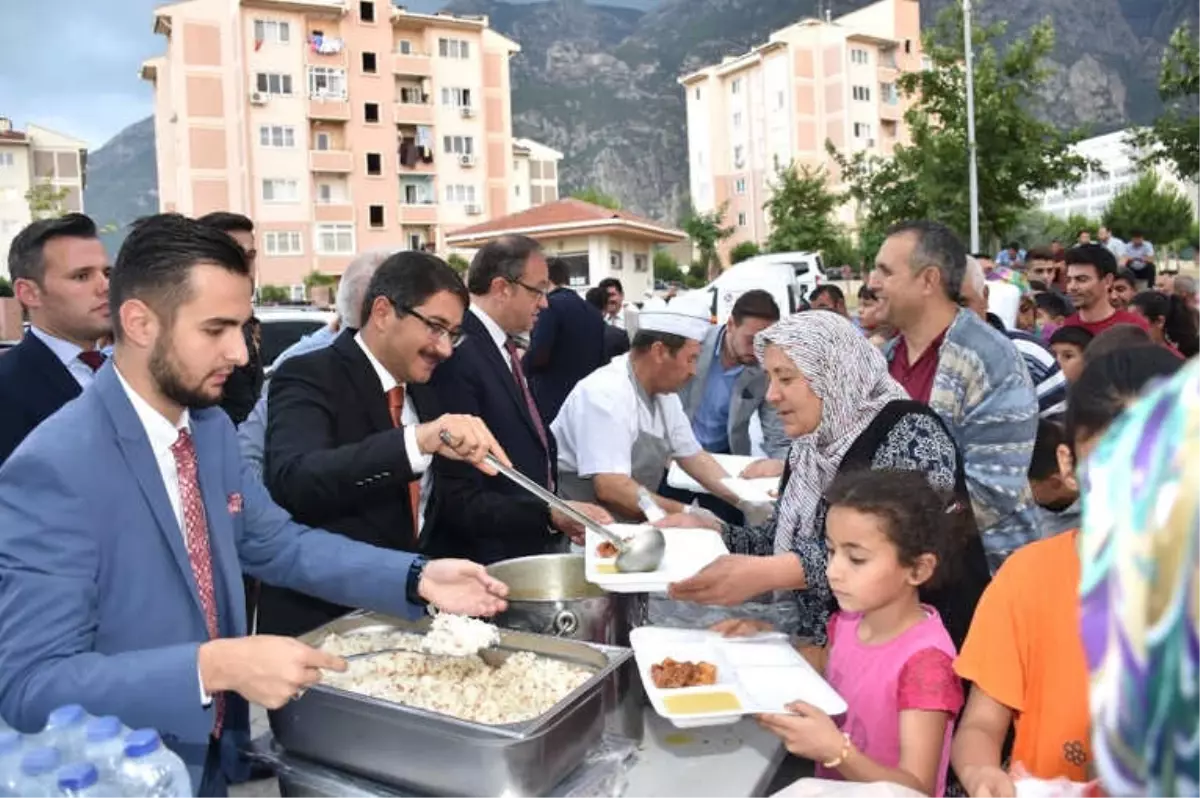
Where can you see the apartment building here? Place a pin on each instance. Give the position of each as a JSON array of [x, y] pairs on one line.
[[33, 157], [1118, 168], [818, 80], [339, 126], [535, 175]]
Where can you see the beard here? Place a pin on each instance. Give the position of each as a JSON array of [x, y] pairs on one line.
[[171, 383]]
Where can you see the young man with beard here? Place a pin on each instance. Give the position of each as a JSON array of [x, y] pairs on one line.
[[1091, 270], [60, 276]]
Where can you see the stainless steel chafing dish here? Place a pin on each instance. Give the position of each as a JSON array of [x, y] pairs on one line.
[[436, 754]]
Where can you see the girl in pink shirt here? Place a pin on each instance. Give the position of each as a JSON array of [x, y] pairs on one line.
[[888, 655]]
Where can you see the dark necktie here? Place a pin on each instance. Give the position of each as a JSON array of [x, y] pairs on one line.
[[519, 375], [94, 358], [395, 398]]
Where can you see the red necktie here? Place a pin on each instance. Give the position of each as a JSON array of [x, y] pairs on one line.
[[195, 528], [93, 358], [523, 387], [395, 398]]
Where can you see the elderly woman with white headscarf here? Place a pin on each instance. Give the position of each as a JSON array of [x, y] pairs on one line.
[[843, 412]]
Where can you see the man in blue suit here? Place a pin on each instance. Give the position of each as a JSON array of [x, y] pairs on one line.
[[127, 519], [60, 275]]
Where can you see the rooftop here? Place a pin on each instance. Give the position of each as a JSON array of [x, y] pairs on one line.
[[565, 216]]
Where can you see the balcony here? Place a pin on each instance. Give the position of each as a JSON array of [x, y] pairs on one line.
[[414, 113], [890, 111], [331, 161], [338, 211], [329, 109], [412, 64], [418, 213]]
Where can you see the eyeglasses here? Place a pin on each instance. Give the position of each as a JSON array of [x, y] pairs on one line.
[[543, 293], [437, 329]]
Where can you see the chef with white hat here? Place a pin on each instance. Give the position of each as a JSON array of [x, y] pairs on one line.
[[622, 425]]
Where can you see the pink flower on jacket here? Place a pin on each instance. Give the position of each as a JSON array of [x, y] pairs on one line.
[[235, 503]]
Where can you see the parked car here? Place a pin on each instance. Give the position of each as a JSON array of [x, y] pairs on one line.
[[284, 326], [789, 276]]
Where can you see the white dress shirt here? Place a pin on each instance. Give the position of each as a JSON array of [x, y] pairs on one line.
[[68, 353], [499, 336], [418, 461]]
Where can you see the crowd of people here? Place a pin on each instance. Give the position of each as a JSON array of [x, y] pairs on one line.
[[940, 459]]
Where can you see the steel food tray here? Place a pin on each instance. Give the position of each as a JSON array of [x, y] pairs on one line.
[[437, 754]]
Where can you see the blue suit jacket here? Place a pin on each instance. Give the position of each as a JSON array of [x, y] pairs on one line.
[[33, 384], [566, 346], [98, 604]]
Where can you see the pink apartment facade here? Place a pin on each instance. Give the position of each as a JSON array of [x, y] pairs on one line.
[[815, 81], [338, 126]]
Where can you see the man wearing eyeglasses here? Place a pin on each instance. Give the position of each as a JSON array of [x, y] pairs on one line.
[[489, 518], [352, 428]]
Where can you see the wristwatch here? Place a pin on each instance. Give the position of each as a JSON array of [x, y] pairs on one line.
[[412, 586]]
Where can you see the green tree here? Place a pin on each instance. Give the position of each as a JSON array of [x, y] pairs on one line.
[[697, 275], [1174, 138], [6, 289], [743, 251], [458, 263], [707, 233], [1160, 211], [800, 210], [597, 197], [46, 201], [666, 268], [842, 251], [316, 279], [273, 294], [1019, 155]]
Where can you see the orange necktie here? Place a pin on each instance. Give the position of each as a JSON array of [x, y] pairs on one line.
[[395, 399]]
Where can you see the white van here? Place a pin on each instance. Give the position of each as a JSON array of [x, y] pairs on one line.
[[789, 276]]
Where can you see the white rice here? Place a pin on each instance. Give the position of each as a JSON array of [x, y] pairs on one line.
[[521, 689], [458, 636]]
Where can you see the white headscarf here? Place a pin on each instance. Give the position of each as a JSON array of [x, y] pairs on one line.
[[851, 378]]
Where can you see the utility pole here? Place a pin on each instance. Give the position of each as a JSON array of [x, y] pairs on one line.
[[973, 170]]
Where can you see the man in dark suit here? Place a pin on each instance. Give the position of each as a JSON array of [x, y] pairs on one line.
[[490, 518], [351, 428], [126, 521], [245, 383], [60, 275], [567, 344]]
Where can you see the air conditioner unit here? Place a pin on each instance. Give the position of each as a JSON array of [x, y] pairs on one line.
[[467, 112], [474, 210], [466, 160], [258, 98]]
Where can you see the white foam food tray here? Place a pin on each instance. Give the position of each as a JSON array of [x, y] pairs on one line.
[[734, 465], [752, 677], [756, 491], [687, 551]]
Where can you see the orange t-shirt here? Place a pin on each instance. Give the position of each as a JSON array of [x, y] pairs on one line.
[[1024, 649]]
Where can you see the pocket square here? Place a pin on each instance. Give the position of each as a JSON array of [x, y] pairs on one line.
[[235, 503]]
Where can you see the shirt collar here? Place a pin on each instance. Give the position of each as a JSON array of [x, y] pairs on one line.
[[65, 351], [498, 335], [159, 429], [386, 380]]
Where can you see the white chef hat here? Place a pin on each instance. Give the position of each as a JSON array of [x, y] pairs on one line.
[[685, 319]]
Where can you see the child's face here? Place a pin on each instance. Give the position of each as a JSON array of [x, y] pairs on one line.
[[864, 569], [1044, 319], [1057, 491], [1070, 360]]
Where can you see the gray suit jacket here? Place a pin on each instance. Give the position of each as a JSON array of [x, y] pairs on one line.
[[749, 397]]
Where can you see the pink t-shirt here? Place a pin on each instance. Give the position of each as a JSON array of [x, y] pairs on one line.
[[913, 671]]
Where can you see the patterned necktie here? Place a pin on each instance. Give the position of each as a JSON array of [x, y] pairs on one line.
[[195, 529], [523, 386], [395, 399], [94, 358]]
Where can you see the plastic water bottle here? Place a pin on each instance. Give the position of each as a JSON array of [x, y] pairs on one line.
[[83, 779], [648, 506], [10, 763], [150, 769], [104, 745], [38, 767], [66, 730]]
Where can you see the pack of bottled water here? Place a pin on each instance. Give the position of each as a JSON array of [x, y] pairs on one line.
[[79, 755]]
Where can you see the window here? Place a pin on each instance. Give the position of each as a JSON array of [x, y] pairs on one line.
[[322, 141], [299, 293], [779, 100], [458, 145], [330, 193], [737, 120], [375, 214], [6, 159], [280, 191], [454, 48], [272, 32], [736, 87], [416, 242], [418, 193], [374, 163], [459, 98], [907, 46], [404, 47], [861, 93], [697, 92], [273, 83], [369, 63], [283, 242], [859, 56], [739, 186], [326, 83], [371, 112], [277, 136], [862, 130], [888, 93], [615, 260], [366, 11], [334, 239], [460, 194], [742, 219], [639, 263], [739, 156], [412, 95]]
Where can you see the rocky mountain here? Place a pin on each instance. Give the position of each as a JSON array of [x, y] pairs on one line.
[[599, 82]]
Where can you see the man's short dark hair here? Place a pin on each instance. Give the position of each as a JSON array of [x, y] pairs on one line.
[[227, 222], [1054, 304], [408, 279], [836, 294], [1073, 336], [1128, 276], [1044, 463], [611, 282], [1014, 245], [1039, 253], [25, 253], [866, 293], [1096, 255], [937, 247], [643, 340], [1136, 233], [156, 261], [504, 258], [559, 271], [755, 304], [597, 297]]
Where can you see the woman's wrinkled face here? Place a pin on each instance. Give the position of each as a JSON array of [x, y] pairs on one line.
[[790, 393]]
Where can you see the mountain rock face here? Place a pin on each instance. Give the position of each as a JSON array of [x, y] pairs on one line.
[[599, 83]]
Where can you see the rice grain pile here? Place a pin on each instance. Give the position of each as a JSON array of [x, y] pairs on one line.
[[521, 689]]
